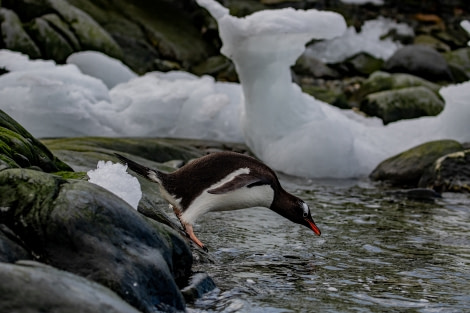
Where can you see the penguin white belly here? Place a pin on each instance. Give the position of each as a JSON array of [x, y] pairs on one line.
[[246, 197]]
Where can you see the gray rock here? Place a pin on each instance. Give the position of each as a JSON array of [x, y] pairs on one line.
[[14, 36], [34, 288], [406, 103], [11, 247], [459, 61], [51, 43], [449, 173], [421, 61], [82, 228], [18, 148], [311, 66], [199, 284], [406, 168]]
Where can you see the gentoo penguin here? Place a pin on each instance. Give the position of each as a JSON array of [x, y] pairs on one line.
[[223, 181]]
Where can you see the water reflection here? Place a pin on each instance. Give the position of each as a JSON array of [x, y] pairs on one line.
[[378, 252]]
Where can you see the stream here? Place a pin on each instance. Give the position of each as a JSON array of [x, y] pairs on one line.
[[379, 252]]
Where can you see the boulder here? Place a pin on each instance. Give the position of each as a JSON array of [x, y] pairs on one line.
[[362, 64], [52, 44], [84, 229], [406, 168], [459, 62], [18, 148], [14, 37], [449, 173], [419, 60], [34, 288], [406, 103]]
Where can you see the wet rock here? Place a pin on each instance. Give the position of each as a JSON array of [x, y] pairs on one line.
[[418, 194], [362, 64], [46, 289], [18, 148], [449, 173], [406, 168], [381, 81], [406, 103], [420, 61], [14, 37], [11, 247], [51, 43], [199, 284], [459, 62], [311, 66], [82, 228]]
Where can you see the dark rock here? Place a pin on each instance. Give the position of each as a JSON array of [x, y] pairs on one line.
[[217, 66], [18, 148], [459, 62], [406, 168], [421, 61], [311, 66], [63, 29], [430, 41], [381, 81], [84, 229], [14, 37], [51, 43], [362, 64], [406, 103], [11, 247], [418, 194], [199, 284], [449, 173], [35, 288]]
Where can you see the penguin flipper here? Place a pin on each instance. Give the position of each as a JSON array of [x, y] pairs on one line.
[[143, 171], [240, 181]]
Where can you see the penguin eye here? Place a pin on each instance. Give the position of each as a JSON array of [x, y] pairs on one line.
[[305, 208]]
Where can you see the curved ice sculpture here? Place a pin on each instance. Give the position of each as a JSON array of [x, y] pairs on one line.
[[297, 134]]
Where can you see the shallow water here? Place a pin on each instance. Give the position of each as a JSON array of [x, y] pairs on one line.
[[378, 252]]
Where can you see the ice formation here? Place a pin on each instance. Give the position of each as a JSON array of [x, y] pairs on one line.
[[368, 40], [113, 177], [298, 134]]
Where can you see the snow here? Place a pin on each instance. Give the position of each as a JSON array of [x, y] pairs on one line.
[[113, 177], [92, 63], [369, 40], [287, 129], [465, 24]]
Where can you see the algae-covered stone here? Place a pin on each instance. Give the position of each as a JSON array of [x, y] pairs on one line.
[[18, 148], [35, 288], [459, 61], [406, 103], [407, 167], [362, 64], [14, 37], [84, 229], [53, 45], [449, 173]]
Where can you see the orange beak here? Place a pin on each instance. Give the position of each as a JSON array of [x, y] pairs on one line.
[[313, 227]]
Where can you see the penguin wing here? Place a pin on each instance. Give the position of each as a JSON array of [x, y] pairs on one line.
[[240, 181]]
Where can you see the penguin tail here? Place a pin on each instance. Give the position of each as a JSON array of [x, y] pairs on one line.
[[148, 173]]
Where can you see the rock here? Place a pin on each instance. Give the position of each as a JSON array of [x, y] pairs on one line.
[[362, 64], [417, 194], [459, 62], [18, 148], [311, 66], [217, 66], [14, 37], [34, 287], [381, 81], [199, 284], [406, 103], [63, 29], [11, 248], [420, 61], [406, 168], [430, 41], [82, 228], [51, 43], [449, 173]]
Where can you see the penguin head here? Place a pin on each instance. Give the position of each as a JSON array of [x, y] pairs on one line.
[[294, 209]]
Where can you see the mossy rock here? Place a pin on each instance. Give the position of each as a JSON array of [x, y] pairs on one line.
[[406, 168], [18, 148], [449, 173], [14, 37], [459, 62], [84, 229], [406, 103]]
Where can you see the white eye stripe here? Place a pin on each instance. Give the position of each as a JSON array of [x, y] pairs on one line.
[[305, 208]]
